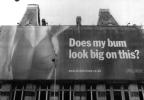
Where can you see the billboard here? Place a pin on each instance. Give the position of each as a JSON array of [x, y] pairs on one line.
[[86, 52]]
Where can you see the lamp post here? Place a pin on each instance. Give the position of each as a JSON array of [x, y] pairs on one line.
[[54, 61]]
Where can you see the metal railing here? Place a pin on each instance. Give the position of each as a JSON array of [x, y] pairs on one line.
[[76, 91]]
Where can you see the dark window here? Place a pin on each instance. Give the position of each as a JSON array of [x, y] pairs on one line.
[[101, 94], [134, 94], [117, 96]]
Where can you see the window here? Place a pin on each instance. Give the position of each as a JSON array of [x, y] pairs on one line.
[[101, 94]]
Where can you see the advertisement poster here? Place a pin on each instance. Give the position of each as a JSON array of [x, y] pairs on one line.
[[36, 52]]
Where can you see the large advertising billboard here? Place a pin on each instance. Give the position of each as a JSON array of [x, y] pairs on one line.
[[71, 52]]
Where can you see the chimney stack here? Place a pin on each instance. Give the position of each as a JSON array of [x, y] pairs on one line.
[[78, 20]]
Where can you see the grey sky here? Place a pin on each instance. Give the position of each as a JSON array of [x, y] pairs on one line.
[[65, 11]]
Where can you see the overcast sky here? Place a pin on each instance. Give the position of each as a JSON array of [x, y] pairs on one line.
[[65, 11]]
